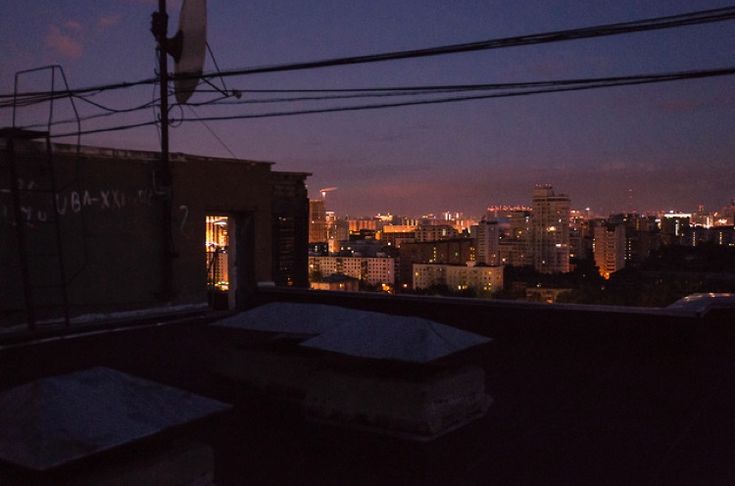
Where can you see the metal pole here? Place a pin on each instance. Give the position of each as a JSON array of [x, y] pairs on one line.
[[25, 273], [54, 204], [163, 176]]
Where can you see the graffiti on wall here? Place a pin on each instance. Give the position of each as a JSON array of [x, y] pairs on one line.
[[39, 207]]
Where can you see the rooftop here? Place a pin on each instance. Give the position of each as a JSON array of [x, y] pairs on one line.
[[72, 150], [582, 395]]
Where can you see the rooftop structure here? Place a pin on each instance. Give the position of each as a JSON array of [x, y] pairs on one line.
[[60, 419], [90, 240]]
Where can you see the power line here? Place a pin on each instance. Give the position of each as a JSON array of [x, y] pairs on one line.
[[656, 23], [108, 112], [368, 94], [440, 89], [444, 89], [451, 100], [57, 95], [604, 30], [411, 91], [117, 110], [629, 81], [106, 129]]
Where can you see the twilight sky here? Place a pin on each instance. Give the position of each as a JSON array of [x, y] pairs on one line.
[[663, 146]]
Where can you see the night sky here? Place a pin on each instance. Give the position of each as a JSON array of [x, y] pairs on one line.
[[663, 146]]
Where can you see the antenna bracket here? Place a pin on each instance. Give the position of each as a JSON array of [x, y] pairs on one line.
[[175, 45], [159, 26]]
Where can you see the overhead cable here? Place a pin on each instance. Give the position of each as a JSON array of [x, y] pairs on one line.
[[604, 30], [656, 23], [412, 91], [556, 89]]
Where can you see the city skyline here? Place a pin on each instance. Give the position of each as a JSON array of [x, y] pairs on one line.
[[670, 143], [522, 204]]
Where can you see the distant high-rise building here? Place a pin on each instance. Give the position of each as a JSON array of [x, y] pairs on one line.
[[514, 247], [513, 253], [702, 218], [317, 221], [289, 230], [504, 212], [726, 215], [674, 228], [458, 251], [486, 246], [482, 279], [435, 232], [642, 236], [342, 230], [396, 235], [371, 270], [580, 236], [550, 225], [724, 235], [331, 231], [355, 225], [609, 247], [338, 282], [520, 225]]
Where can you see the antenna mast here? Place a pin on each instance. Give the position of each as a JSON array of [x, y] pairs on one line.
[[187, 48], [162, 175]]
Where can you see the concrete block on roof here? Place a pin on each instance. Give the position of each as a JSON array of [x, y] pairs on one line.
[[60, 419], [292, 318], [420, 410], [396, 338]]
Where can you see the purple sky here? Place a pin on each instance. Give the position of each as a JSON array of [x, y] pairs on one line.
[[672, 143]]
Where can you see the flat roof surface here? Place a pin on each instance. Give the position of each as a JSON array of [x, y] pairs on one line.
[[111, 152], [579, 398]]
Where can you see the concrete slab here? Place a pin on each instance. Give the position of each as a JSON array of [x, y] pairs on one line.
[[292, 318], [56, 420], [389, 337]]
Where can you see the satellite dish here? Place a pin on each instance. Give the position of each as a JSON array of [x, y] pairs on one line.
[[192, 36]]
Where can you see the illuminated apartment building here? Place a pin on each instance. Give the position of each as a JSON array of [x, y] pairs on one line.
[[642, 236], [396, 235], [337, 282], [487, 242], [550, 223], [355, 225], [451, 252], [317, 221], [674, 228], [609, 246], [371, 270], [481, 278], [435, 232], [514, 253], [331, 231], [514, 247]]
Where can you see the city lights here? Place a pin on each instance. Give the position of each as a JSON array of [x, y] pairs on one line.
[[434, 254]]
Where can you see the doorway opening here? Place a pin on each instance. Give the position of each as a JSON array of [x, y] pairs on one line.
[[230, 258], [217, 250]]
